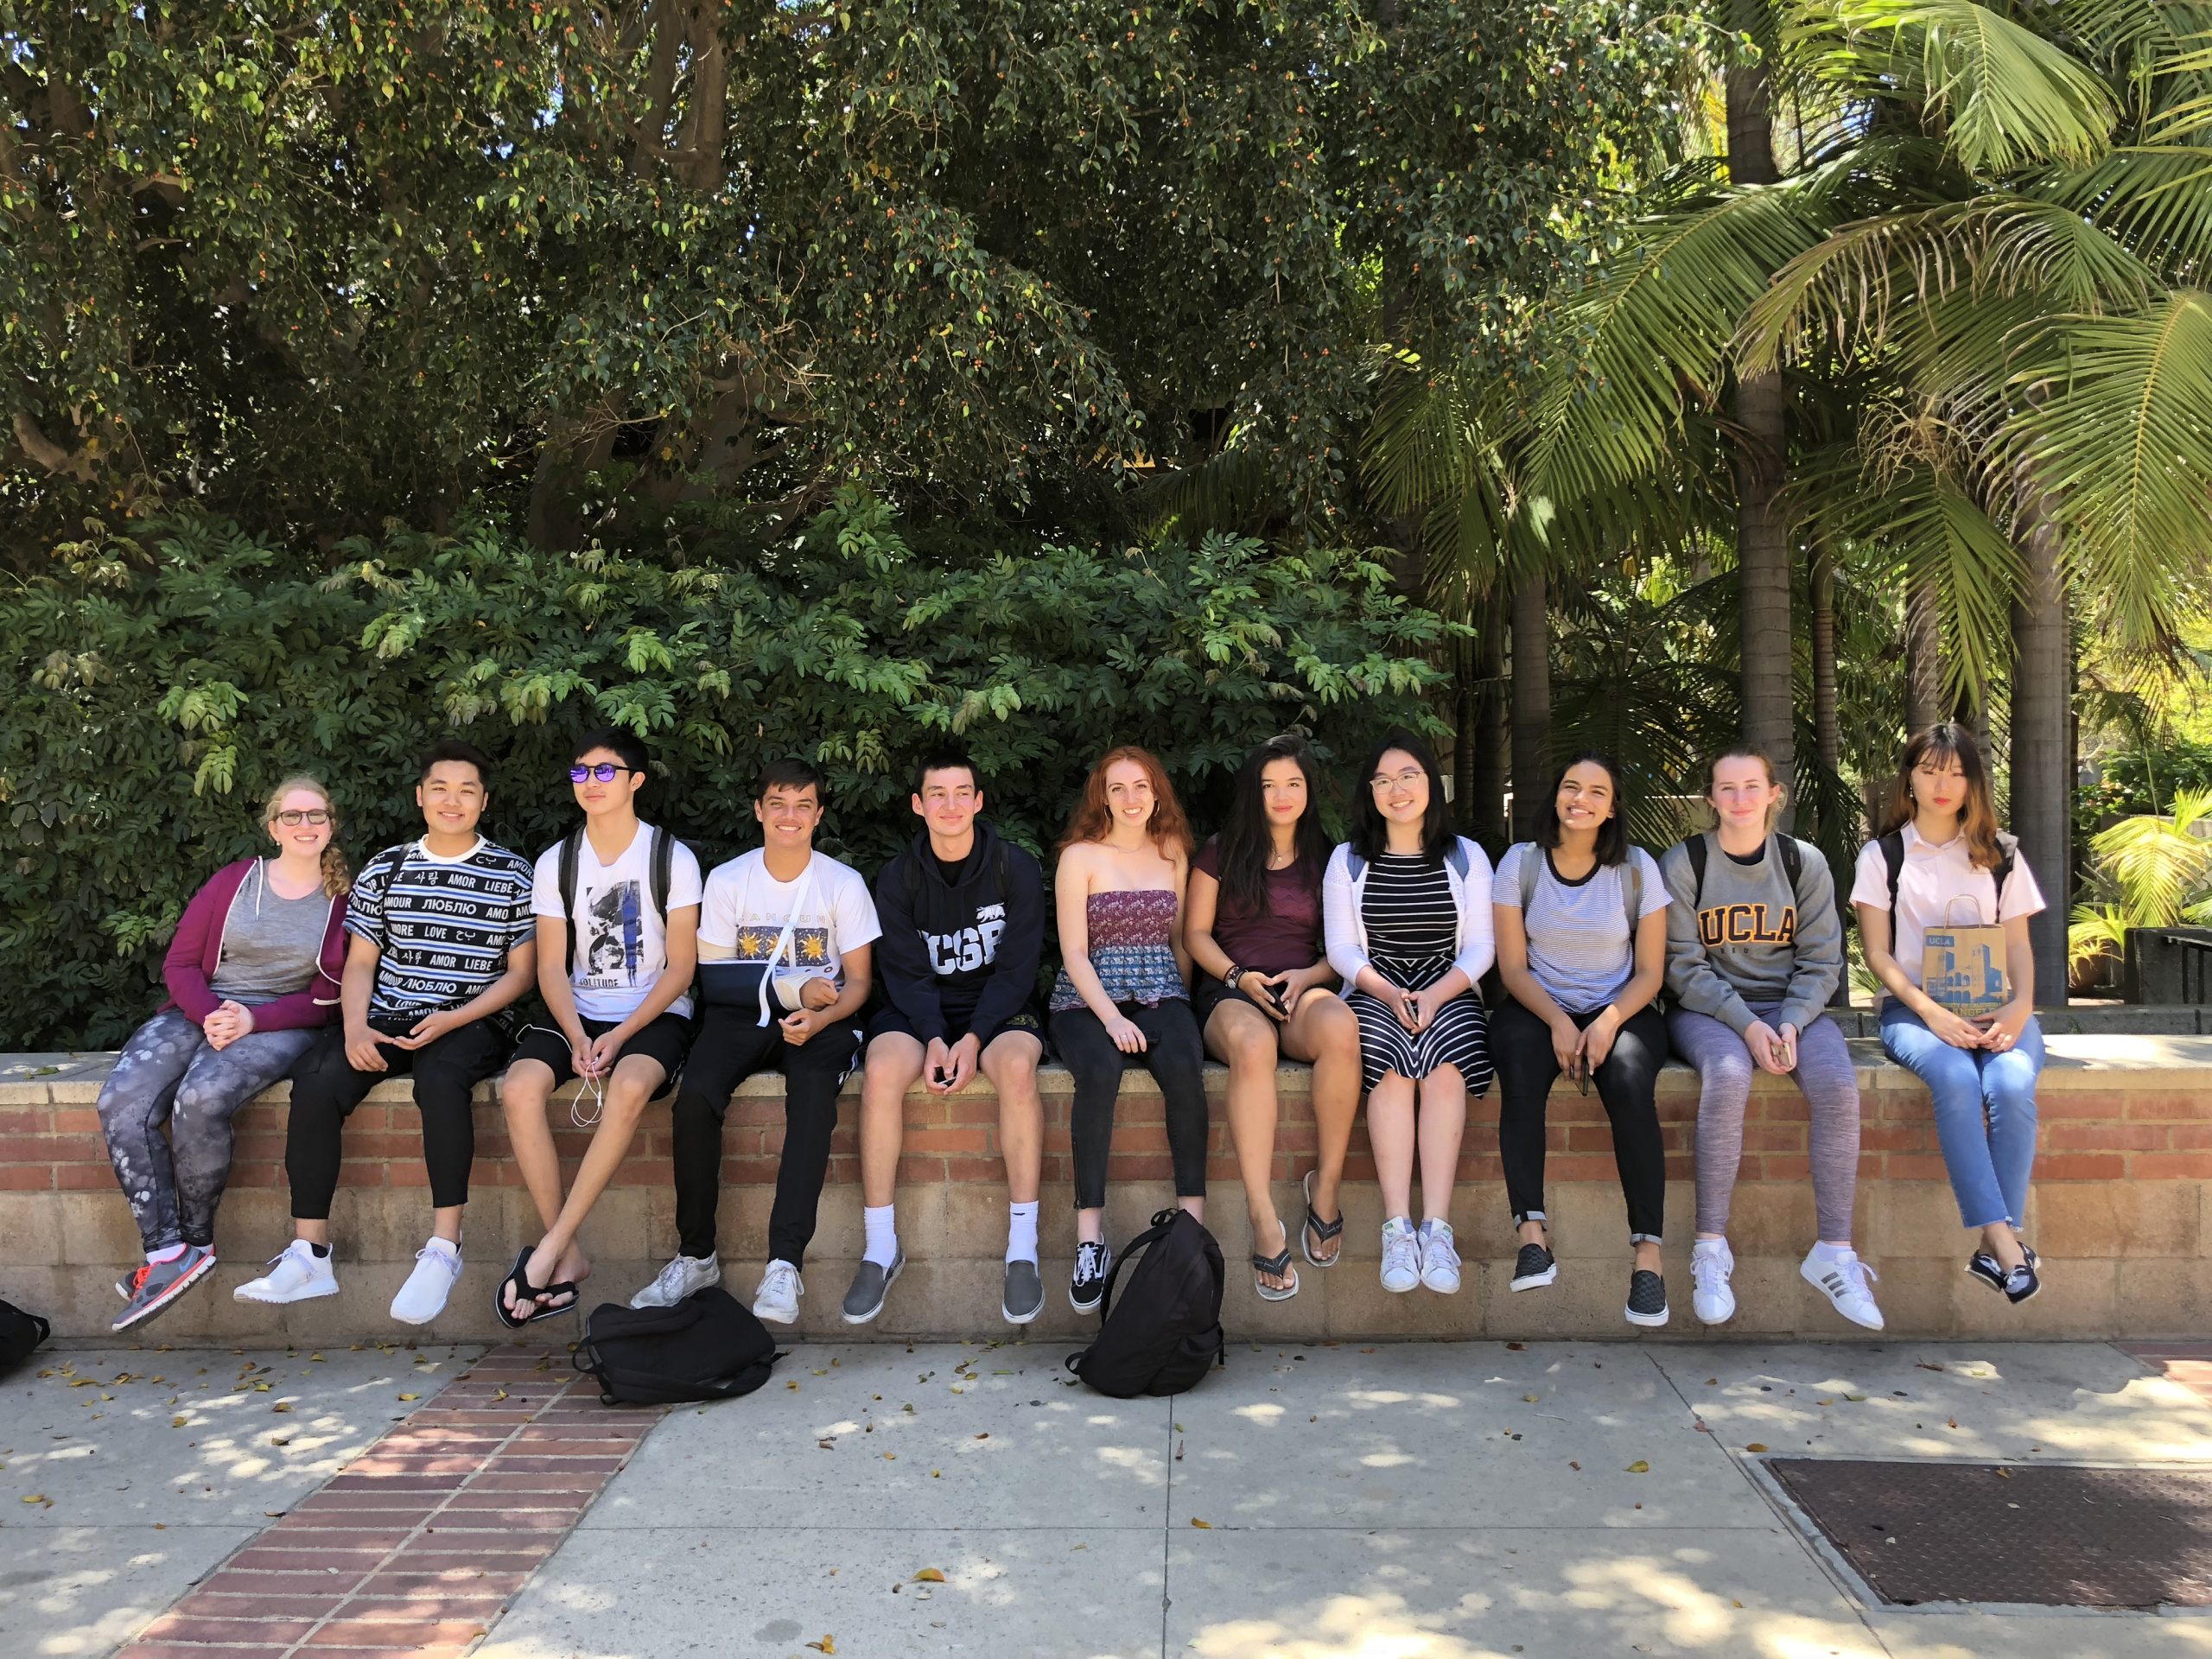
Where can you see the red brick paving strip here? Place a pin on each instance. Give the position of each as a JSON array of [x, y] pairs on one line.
[[2189, 1364], [417, 1546]]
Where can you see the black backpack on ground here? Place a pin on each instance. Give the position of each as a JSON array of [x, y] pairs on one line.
[[709, 1346], [20, 1332], [1164, 1334]]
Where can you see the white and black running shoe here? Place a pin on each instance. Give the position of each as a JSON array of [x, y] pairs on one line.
[[2018, 1285]]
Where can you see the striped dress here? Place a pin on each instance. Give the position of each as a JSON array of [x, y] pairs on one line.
[[1412, 926]]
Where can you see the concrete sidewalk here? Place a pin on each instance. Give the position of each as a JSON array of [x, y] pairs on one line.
[[1411, 1501]]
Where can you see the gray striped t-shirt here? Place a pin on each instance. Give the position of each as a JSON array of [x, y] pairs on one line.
[[1579, 946]]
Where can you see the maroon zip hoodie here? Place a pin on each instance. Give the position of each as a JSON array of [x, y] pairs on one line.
[[198, 948]]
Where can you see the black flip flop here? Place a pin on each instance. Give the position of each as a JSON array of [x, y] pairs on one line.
[[518, 1279], [1275, 1266], [1322, 1230]]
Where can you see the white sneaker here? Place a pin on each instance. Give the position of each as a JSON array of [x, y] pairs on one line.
[[1843, 1276], [296, 1275], [1711, 1263], [1401, 1255], [777, 1301], [681, 1276], [1440, 1262], [422, 1298]]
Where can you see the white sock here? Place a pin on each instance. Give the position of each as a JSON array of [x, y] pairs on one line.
[[1713, 1247], [444, 1246], [155, 1258], [883, 1235], [1826, 1253], [1021, 1231]]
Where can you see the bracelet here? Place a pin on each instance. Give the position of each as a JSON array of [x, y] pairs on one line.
[[1236, 972]]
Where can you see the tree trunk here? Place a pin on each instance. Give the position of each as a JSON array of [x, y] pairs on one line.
[[1493, 733], [1828, 730], [2043, 778], [1764, 577], [1532, 703], [1923, 658]]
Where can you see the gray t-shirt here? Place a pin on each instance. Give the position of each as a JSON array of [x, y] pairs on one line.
[[1579, 947], [272, 944]]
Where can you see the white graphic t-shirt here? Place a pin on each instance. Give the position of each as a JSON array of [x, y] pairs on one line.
[[621, 943], [751, 926]]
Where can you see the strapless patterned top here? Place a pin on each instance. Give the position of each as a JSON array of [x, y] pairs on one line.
[[1129, 950]]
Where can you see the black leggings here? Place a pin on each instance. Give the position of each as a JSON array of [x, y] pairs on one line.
[[731, 1046], [1521, 1047], [326, 1088], [1175, 1054]]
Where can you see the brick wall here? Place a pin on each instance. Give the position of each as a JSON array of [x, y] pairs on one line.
[[2125, 1171]]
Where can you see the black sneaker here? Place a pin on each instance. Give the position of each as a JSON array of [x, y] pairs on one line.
[[1647, 1298], [1985, 1266], [1533, 1267], [1087, 1285]]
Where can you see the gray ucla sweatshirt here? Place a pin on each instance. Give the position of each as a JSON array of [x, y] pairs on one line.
[[1749, 938]]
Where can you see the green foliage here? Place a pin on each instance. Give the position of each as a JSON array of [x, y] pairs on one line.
[[153, 686]]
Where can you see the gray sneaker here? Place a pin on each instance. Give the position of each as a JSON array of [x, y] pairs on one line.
[[871, 1283], [679, 1279], [1024, 1292], [155, 1286]]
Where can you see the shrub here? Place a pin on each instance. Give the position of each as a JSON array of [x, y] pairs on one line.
[[154, 685]]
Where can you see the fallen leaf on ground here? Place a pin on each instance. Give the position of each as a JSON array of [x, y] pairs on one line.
[[1572, 1465], [1531, 1399], [1517, 1347], [179, 1422], [928, 1576], [825, 1645], [1639, 1467], [1206, 1526], [1756, 1446], [285, 1405], [411, 1396], [39, 1497]]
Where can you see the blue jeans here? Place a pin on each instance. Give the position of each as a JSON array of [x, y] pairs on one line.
[[1985, 1111]]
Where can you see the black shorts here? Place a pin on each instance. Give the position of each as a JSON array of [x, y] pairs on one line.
[[1209, 994], [667, 1039], [888, 1020]]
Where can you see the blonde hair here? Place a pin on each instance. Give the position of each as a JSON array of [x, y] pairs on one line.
[[1746, 752], [337, 874]]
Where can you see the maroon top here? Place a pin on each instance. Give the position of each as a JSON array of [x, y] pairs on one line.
[[1288, 937], [197, 949]]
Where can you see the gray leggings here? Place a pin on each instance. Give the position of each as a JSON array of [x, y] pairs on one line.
[[167, 1072], [1725, 1070]]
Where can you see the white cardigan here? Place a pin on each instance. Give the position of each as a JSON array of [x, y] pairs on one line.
[[1474, 946]]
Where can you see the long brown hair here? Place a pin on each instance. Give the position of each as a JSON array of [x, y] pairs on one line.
[[1169, 829], [337, 874], [1942, 742]]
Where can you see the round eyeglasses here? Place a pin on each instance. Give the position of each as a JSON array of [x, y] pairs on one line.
[[292, 819], [604, 772]]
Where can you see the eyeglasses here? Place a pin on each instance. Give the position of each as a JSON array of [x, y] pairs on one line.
[[604, 772], [1408, 778], [293, 819]]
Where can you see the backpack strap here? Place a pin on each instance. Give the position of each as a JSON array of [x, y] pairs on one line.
[[1354, 865], [1793, 858], [571, 853], [1892, 846], [1455, 855], [1632, 899], [1531, 870], [1698, 852], [2008, 848], [663, 871]]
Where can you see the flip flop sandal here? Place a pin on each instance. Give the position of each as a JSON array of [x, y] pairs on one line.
[[1277, 1266], [1319, 1230], [518, 1279]]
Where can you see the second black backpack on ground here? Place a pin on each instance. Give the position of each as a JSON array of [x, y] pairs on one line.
[[20, 1332], [709, 1346], [1163, 1334]]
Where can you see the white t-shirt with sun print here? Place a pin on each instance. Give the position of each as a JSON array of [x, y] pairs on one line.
[[751, 926]]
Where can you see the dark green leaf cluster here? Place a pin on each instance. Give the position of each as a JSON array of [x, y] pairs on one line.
[[153, 687]]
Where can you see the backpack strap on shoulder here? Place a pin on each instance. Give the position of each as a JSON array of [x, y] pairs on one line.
[[571, 853], [1531, 870], [1633, 897], [1455, 855], [1698, 852], [1793, 858], [1354, 865], [663, 871], [1892, 846], [2008, 851]]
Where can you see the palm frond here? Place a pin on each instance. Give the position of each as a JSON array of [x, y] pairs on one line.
[[2160, 865], [2007, 97], [2114, 427], [2156, 198], [1222, 493]]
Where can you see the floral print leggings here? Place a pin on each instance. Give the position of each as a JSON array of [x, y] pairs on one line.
[[168, 1073]]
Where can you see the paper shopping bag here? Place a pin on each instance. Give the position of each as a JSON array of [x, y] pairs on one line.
[[1963, 968]]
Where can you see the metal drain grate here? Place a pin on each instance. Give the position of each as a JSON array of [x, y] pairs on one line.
[[2046, 1535]]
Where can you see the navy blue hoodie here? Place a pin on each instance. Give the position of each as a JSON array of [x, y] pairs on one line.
[[962, 953]]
